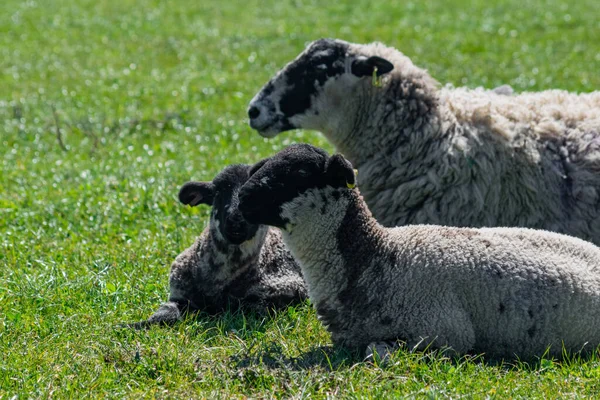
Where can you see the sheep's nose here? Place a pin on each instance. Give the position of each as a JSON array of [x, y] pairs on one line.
[[253, 112]]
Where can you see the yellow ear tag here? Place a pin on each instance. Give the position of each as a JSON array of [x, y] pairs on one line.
[[376, 80], [352, 185]]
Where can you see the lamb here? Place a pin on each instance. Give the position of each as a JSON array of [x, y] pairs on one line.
[[450, 156], [504, 292], [233, 263]]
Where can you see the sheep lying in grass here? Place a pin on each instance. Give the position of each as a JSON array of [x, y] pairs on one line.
[[233, 263], [504, 292], [450, 156]]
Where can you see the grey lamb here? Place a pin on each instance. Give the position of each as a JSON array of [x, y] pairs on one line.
[[504, 292], [450, 156], [233, 263]]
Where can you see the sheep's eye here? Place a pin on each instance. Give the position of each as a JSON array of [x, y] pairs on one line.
[[302, 172]]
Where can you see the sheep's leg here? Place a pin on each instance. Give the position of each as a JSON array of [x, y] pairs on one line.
[[167, 314], [284, 299], [439, 343], [449, 330], [264, 297]]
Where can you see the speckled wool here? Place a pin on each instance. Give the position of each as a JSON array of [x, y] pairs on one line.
[[257, 274], [504, 292], [233, 263], [498, 291]]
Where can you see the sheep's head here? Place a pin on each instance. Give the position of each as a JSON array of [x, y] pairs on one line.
[[223, 195], [291, 98], [280, 179]]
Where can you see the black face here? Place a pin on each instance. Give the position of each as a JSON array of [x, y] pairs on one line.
[[283, 177], [322, 61], [296, 86], [223, 194], [293, 90]]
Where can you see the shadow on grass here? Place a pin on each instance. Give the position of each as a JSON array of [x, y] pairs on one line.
[[327, 357], [271, 355], [239, 320], [332, 358]]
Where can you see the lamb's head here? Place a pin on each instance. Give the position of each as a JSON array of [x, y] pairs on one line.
[[278, 183], [306, 87], [222, 194]]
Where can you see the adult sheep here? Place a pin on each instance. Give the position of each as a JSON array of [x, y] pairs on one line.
[[505, 292], [233, 263], [451, 156]]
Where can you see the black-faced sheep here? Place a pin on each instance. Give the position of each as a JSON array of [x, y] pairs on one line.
[[233, 263], [450, 156], [504, 292]]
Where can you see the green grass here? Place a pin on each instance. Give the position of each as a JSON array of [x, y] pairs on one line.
[[149, 94]]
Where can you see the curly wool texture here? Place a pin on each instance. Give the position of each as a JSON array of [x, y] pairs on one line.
[[504, 292], [257, 275], [260, 273], [216, 274], [462, 157], [458, 156]]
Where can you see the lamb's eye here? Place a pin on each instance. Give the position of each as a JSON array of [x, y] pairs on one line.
[[302, 172]]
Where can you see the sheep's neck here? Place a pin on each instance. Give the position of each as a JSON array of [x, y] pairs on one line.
[[327, 239], [359, 234], [230, 260], [377, 121]]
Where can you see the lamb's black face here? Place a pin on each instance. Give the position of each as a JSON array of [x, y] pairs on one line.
[[283, 177], [292, 92], [223, 194]]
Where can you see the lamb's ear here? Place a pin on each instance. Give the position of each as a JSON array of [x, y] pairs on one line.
[[194, 193], [257, 166], [340, 172], [364, 66]]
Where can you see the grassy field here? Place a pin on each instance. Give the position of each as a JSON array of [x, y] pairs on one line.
[[107, 107]]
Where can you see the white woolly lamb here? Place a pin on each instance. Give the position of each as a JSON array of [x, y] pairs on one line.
[[233, 263], [451, 156], [505, 292]]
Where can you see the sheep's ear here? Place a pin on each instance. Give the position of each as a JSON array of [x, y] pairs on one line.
[[340, 172], [364, 66], [194, 193], [257, 166]]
